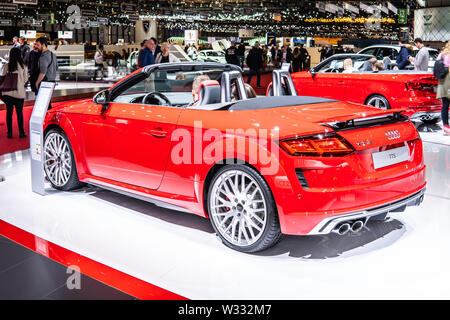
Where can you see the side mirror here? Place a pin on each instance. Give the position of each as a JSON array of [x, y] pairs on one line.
[[313, 73], [102, 98]]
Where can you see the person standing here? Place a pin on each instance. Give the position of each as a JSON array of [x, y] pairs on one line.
[[48, 65], [422, 58], [143, 45], [303, 55], [146, 57], [98, 59], [33, 67], [154, 47], [254, 62], [165, 56], [296, 64], [15, 98], [443, 90], [241, 54], [24, 48], [16, 43], [403, 56], [231, 54], [285, 56]]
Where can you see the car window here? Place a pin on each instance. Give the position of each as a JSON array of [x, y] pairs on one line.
[[370, 51], [386, 52], [175, 85]]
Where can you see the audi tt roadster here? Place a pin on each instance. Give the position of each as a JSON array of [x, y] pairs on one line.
[[185, 136]]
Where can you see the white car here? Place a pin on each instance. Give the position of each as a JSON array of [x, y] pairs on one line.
[[2, 64], [392, 50], [211, 56]]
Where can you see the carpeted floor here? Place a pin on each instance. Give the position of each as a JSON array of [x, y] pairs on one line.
[[15, 144]]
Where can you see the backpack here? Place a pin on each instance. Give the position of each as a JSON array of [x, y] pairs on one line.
[[440, 71]]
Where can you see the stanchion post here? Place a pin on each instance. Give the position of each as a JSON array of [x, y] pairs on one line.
[[37, 136]]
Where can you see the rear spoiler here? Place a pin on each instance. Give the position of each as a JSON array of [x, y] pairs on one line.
[[368, 122]]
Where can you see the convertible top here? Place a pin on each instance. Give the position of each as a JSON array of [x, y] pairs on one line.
[[276, 102]]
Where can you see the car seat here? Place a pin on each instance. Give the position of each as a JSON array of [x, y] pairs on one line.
[[209, 92]]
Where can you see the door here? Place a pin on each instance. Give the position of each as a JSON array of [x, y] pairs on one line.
[[131, 141]]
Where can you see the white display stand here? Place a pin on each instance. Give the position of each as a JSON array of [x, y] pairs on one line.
[[37, 136]]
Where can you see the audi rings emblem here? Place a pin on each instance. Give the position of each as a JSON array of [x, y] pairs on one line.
[[392, 134]]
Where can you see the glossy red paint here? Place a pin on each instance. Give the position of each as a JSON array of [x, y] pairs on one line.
[[112, 277], [359, 87], [118, 150]]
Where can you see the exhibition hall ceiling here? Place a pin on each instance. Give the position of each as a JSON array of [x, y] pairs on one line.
[[322, 18]]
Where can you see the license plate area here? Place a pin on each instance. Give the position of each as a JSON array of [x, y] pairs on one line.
[[390, 157]]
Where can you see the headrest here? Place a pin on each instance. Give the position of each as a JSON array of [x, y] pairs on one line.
[[269, 91], [209, 92]]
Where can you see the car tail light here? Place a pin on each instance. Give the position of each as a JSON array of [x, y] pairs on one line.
[[421, 85], [317, 145]]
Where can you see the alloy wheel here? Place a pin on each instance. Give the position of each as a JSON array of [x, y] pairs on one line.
[[377, 102], [57, 159], [238, 208]]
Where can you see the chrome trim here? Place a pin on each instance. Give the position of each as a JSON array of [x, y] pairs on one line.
[[429, 115], [327, 225]]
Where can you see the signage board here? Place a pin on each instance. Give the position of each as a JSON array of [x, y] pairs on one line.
[[32, 2], [8, 8], [402, 16], [133, 17], [5, 22], [65, 34], [102, 20]]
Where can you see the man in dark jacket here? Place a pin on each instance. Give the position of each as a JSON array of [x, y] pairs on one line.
[[24, 48], [33, 67], [302, 56], [255, 62], [241, 54], [402, 58], [231, 54], [146, 57]]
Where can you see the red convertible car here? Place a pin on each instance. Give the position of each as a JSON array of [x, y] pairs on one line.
[[412, 91], [257, 168]]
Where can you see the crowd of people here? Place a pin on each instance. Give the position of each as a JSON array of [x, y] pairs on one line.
[[25, 65], [36, 64]]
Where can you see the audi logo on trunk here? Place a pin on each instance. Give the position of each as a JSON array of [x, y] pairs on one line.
[[392, 134]]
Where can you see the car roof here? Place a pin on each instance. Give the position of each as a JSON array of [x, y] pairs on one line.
[[391, 46]]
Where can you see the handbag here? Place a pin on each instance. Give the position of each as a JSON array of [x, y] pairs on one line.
[[8, 82]]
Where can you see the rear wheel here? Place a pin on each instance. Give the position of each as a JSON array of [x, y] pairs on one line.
[[378, 101], [242, 210], [59, 163]]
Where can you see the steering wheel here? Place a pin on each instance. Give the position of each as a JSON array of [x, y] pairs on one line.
[[162, 99]]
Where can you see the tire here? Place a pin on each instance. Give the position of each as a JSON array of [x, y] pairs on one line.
[[244, 224], [59, 163], [378, 101]]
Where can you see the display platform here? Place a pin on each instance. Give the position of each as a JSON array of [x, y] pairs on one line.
[[404, 257]]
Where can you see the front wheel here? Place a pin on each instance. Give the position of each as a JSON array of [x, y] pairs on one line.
[[59, 162], [378, 101], [242, 209]]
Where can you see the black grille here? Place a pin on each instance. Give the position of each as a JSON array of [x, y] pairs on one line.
[[301, 178]]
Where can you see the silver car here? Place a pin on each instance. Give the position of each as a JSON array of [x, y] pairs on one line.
[[380, 51]]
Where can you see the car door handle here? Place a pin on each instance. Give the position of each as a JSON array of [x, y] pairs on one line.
[[158, 133], [341, 83]]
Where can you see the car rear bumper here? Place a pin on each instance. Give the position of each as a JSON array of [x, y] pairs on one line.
[[329, 224]]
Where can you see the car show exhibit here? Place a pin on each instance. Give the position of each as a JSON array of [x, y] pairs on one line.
[[164, 150]]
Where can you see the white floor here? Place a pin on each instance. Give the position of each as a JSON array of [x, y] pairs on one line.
[[405, 257]]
